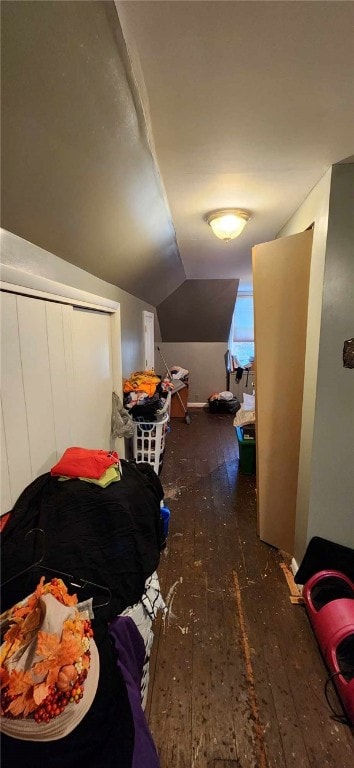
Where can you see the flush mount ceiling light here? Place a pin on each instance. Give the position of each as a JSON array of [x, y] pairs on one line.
[[227, 223]]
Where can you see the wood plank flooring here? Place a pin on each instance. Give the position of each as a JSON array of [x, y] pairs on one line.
[[237, 680]]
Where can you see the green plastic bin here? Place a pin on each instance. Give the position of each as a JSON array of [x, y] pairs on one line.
[[247, 453]]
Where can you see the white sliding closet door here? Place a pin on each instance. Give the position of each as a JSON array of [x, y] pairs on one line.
[[58, 317], [4, 469], [34, 394], [56, 386], [15, 438], [93, 377]]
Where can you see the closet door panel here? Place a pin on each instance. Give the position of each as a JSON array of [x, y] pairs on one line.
[[6, 498], [56, 314], [69, 366], [93, 379], [37, 383], [57, 382], [13, 399]]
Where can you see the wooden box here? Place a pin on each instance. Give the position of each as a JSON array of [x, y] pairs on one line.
[[177, 411]]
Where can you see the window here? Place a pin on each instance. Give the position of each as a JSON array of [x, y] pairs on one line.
[[242, 332]]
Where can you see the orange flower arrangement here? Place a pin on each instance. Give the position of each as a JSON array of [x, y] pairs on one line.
[[59, 664]]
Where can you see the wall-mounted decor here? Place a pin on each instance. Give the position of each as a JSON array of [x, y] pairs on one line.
[[348, 353]]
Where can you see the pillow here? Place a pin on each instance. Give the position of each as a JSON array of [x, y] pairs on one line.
[[249, 402]]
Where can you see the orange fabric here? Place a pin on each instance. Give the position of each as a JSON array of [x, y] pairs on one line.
[[142, 381], [84, 462]]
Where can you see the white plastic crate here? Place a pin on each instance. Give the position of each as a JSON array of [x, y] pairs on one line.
[[149, 441]]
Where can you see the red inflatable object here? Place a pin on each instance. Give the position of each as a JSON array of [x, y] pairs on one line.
[[329, 600], [340, 659]]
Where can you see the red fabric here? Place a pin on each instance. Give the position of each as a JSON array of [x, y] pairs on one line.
[[3, 520], [84, 462]]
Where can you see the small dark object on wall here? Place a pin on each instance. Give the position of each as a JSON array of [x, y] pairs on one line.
[[348, 353]]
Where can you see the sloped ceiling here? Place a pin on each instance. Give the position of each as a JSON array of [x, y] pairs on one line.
[[199, 310], [250, 104], [124, 123], [78, 175]]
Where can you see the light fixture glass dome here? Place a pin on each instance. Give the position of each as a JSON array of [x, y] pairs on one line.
[[228, 223]]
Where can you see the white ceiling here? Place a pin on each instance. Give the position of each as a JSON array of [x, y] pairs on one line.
[[249, 104]]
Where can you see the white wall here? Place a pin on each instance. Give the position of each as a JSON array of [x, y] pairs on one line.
[[326, 477], [32, 260]]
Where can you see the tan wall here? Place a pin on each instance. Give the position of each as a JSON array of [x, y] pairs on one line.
[[331, 512], [326, 479], [205, 362], [313, 210]]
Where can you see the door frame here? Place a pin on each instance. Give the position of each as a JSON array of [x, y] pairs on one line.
[[147, 326], [18, 281]]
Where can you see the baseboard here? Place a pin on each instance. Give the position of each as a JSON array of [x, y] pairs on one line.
[[295, 567], [197, 405]]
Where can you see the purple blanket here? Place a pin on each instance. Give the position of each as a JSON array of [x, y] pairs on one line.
[[130, 650]]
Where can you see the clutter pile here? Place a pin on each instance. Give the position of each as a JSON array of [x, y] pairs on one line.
[[90, 465], [223, 402], [179, 380], [179, 373], [121, 419], [145, 396], [247, 411]]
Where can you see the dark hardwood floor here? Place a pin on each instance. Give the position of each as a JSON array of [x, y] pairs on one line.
[[237, 680]]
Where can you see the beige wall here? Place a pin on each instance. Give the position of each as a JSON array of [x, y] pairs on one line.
[[331, 512], [325, 486], [313, 210], [203, 360]]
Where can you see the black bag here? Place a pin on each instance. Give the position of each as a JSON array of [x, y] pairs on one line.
[[224, 406]]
